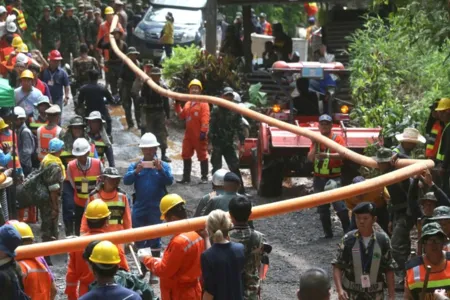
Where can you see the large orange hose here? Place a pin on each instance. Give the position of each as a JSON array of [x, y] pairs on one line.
[[411, 168]]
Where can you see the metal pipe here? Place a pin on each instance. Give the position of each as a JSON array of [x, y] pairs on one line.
[[136, 261]]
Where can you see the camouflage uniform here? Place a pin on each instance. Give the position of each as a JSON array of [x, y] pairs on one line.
[[344, 261], [46, 31], [81, 66], [70, 36], [253, 244]]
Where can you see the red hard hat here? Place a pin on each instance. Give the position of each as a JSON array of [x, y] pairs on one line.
[[55, 55]]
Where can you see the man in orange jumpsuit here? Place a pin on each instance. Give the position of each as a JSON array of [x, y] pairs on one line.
[[196, 115], [78, 272], [179, 268], [115, 198]]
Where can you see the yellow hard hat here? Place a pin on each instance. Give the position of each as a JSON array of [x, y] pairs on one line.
[[27, 74], [196, 82], [168, 202], [109, 10], [443, 104], [106, 253], [3, 125], [24, 230], [22, 48], [96, 210], [16, 42]]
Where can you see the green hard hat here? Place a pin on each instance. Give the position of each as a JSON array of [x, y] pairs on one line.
[[441, 213], [432, 229], [383, 155], [76, 121]]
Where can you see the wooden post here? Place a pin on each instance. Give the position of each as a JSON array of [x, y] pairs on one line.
[[210, 14], [248, 28]]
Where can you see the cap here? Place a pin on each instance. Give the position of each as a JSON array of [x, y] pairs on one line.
[[429, 196], [262, 15], [43, 99], [97, 11], [383, 155], [111, 172], [432, 229], [441, 213], [76, 121], [2, 9], [117, 30], [218, 177], [132, 50], [46, 7], [54, 109], [55, 145], [10, 239], [331, 185], [365, 208], [326, 118], [227, 91], [155, 71], [231, 177], [95, 115], [69, 6], [358, 179]]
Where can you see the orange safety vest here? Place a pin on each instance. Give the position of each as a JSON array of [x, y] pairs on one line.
[[434, 139], [85, 181], [20, 19], [36, 279], [44, 136], [8, 140], [34, 125], [415, 277]]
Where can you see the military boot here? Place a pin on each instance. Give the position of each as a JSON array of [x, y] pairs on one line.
[[204, 171], [345, 220], [325, 219], [164, 157], [187, 167]]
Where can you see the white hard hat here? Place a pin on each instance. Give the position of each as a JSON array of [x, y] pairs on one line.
[[22, 59], [218, 177], [20, 112], [237, 98], [148, 140], [80, 147], [2, 9], [11, 27]]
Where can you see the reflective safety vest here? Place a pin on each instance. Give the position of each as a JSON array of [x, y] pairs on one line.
[[441, 156], [434, 140], [35, 124], [116, 207], [67, 156], [85, 181], [415, 277], [358, 270], [44, 136], [20, 19], [37, 281], [7, 139], [322, 166]]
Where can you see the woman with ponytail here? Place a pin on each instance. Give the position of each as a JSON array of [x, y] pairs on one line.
[[223, 263]]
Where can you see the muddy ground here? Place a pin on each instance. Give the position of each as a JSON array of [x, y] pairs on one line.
[[295, 237]]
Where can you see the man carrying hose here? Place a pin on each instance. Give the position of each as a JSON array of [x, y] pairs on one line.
[[421, 283]]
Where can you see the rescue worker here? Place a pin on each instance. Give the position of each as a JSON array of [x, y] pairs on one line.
[[433, 132], [20, 17], [45, 31], [266, 27], [115, 198], [443, 155], [6, 145], [57, 79], [408, 140], [433, 240], [39, 118], [231, 186], [126, 80], [224, 127], [327, 166], [25, 141], [150, 177], [26, 95], [363, 259], [82, 174], [179, 269], [156, 112], [58, 10], [69, 34], [104, 263], [47, 132], [441, 215], [196, 115], [37, 277], [217, 190], [79, 276], [82, 65], [98, 134]]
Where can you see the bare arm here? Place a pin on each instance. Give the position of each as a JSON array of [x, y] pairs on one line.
[[390, 280], [337, 276], [312, 153], [207, 296]]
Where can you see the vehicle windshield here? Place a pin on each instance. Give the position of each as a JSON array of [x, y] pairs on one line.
[[181, 16]]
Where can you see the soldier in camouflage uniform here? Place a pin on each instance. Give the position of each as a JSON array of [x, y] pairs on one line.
[[82, 65], [81, 12], [59, 10], [155, 112], [240, 209], [224, 127], [364, 258], [45, 31], [69, 29]]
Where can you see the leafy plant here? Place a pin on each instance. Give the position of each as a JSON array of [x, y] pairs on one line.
[[257, 97]]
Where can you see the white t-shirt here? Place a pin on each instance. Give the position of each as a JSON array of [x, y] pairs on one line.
[[366, 241]]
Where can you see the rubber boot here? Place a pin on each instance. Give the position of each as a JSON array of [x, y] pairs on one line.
[[325, 219], [241, 188], [21, 215], [204, 170], [345, 220], [68, 227], [187, 167], [32, 215], [153, 278], [164, 157]]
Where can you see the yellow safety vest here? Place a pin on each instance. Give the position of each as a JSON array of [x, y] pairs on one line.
[[441, 156], [20, 19], [324, 169]]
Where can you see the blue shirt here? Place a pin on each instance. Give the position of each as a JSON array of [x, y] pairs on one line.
[[150, 186], [27, 100], [222, 268], [110, 292], [56, 82], [4, 158]]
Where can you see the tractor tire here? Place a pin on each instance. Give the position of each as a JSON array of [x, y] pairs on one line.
[[271, 183]]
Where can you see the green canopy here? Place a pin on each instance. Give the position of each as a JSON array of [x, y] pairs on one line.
[[6, 94]]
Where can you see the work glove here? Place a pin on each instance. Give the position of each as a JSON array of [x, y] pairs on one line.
[[202, 136], [144, 253]]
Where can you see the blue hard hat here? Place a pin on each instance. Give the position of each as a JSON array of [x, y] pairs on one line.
[[325, 118], [55, 145], [10, 239], [311, 20]]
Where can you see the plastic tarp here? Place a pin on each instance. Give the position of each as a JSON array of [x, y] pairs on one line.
[[6, 94]]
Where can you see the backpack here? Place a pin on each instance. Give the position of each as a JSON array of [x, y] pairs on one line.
[[32, 192]]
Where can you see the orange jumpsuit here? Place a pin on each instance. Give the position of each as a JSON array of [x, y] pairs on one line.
[[36, 279], [78, 271], [197, 120], [179, 269], [118, 206]]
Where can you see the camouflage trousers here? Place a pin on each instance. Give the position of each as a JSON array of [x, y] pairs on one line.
[[229, 153], [155, 122], [49, 225], [127, 101], [352, 295], [401, 241], [69, 48]]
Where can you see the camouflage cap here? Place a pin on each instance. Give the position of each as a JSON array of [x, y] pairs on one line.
[[46, 7], [111, 173], [432, 229], [89, 8], [76, 121], [69, 6], [59, 4], [441, 213], [383, 155], [429, 196]]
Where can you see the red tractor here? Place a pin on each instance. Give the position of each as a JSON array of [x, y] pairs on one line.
[[276, 154]]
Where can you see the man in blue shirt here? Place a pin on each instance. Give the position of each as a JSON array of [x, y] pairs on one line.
[[56, 79], [150, 177], [26, 95]]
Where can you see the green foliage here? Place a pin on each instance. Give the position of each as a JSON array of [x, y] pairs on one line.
[[257, 97], [214, 73], [398, 69]]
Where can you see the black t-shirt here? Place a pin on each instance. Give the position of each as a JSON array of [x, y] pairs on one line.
[[92, 95]]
